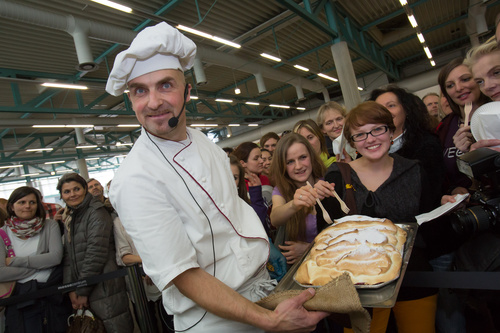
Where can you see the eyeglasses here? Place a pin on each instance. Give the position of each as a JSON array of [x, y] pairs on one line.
[[377, 131]]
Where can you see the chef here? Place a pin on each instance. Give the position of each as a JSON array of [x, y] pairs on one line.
[[202, 245]]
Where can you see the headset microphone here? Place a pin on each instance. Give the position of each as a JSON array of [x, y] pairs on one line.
[[174, 121]]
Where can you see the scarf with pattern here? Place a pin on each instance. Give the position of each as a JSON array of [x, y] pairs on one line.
[[25, 228]]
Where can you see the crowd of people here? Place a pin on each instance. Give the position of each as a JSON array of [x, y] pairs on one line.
[[205, 223]]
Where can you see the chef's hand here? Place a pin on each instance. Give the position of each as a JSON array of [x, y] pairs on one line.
[[305, 197], [463, 139], [293, 250], [253, 180], [293, 317]]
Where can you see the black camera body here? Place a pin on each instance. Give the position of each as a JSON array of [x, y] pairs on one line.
[[484, 214]]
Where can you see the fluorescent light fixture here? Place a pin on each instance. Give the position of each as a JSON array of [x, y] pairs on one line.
[[93, 168], [31, 174], [205, 35], [65, 85], [52, 173], [252, 103], [360, 89], [234, 125], [225, 41], [54, 162], [126, 91], [421, 37], [328, 77], [129, 125], [40, 149], [121, 156], [204, 125], [253, 125], [125, 144], [302, 68], [193, 97], [279, 106], [11, 166], [271, 57], [80, 126], [49, 126], [114, 5], [92, 159], [413, 21], [301, 108], [86, 146], [433, 63], [403, 2], [428, 52], [63, 171], [237, 91], [224, 100]]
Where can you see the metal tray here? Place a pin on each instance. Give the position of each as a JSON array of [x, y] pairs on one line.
[[379, 296]]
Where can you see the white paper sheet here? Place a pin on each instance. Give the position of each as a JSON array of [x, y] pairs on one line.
[[441, 210]]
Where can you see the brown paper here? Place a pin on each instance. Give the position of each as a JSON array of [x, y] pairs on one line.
[[337, 297]]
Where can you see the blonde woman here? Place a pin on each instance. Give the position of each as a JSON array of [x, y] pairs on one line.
[[311, 131]]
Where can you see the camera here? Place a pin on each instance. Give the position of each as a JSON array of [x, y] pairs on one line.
[[484, 214]]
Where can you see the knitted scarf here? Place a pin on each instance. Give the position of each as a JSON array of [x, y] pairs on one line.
[[25, 228]]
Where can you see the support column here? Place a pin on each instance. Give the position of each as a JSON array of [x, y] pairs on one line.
[[346, 76], [82, 164]]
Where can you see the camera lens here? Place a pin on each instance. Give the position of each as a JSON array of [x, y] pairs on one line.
[[474, 219]]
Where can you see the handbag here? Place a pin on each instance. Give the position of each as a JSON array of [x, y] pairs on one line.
[[6, 288], [85, 321]]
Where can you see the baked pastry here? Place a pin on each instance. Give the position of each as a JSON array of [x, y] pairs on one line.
[[369, 249]]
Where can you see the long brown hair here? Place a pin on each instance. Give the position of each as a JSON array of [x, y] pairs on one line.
[[312, 127], [296, 226], [242, 187]]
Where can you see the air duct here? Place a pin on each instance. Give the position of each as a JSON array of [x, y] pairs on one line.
[[79, 29], [261, 85], [199, 72]]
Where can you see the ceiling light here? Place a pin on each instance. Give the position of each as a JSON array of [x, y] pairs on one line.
[[328, 77], [421, 37], [86, 146], [204, 125], [193, 97], [40, 149], [253, 125], [301, 68], [360, 89], [80, 126], [433, 63], [31, 174], [54, 162], [403, 2], [121, 156], [66, 170], [114, 5], [92, 159], [252, 103], [49, 126], [66, 86], [301, 108], [224, 100], [205, 35], [11, 166], [413, 21], [237, 91], [125, 144], [234, 125], [428, 52], [129, 125], [279, 106], [268, 56]]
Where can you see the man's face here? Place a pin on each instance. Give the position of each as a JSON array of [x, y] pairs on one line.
[[156, 97], [432, 104], [95, 188]]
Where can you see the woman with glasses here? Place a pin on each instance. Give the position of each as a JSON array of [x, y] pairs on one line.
[[387, 186]]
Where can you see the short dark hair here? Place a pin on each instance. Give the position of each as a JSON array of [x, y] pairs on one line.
[[20, 193], [92, 179], [242, 152], [72, 177], [267, 136]]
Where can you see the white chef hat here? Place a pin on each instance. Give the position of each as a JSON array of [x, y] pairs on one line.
[[154, 48]]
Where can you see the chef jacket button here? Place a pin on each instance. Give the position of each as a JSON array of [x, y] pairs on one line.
[[221, 205], [181, 158], [239, 230], [203, 179]]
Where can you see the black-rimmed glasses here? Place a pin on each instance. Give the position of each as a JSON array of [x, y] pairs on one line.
[[377, 131]]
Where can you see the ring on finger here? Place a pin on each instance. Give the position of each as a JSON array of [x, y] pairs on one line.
[[300, 197]]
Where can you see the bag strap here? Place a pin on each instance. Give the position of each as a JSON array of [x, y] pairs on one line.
[[350, 200], [8, 244]]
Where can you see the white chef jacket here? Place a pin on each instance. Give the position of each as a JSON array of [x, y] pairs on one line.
[[172, 212]]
